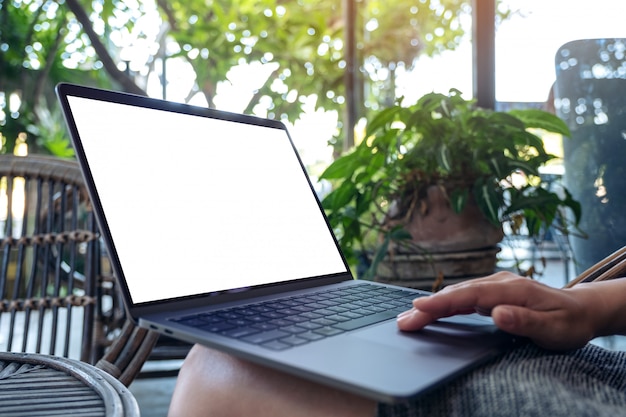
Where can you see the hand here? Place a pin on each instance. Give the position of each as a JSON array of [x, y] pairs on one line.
[[552, 318]]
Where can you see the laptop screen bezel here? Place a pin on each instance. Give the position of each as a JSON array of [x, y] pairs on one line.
[[65, 90]]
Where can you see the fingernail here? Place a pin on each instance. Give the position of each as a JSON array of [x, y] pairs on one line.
[[405, 313], [402, 316], [506, 317]]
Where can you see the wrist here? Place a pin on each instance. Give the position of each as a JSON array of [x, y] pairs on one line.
[[604, 306]]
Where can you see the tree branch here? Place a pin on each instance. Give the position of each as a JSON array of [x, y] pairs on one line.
[[110, 66], [42, 77], [165, 6], [254, 100]]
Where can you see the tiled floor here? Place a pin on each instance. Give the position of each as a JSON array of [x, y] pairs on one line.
[[153, 395]]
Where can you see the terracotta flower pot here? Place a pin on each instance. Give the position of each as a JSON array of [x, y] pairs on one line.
[[446, 244]]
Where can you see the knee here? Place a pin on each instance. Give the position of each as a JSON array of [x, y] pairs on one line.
[[205, 384], [212, 383]]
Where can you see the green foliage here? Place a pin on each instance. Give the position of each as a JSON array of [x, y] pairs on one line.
[[303, 41], [35, 39], [446, 141]]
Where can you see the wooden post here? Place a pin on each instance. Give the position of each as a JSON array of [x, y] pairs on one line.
[[350, 75]]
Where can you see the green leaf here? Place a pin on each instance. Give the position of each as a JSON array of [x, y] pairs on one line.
[[523, 166], [458, 199], [397, 233], [506, 119], [342, 167], [488, 201], [384, 141], [535, 118], [343, 195], [538, 199], [351, 227], [400, 233], [363, 201], [376, 163], [526, 138], [443, 158], [574, 205], [499, 170], [382, 119], [533, 223], [379, 255]]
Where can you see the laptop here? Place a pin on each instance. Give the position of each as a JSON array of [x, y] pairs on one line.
[[217, 237]]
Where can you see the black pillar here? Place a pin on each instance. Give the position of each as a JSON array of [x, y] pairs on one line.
[[484, 56]]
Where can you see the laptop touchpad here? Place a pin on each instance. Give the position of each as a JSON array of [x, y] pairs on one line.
[[456, 337]]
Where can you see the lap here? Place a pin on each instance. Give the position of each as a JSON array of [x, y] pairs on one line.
[[211, 383], [528, 381]]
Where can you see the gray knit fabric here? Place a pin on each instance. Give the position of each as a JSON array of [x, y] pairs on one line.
[[530, 381]]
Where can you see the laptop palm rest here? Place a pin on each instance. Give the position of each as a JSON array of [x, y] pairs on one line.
[[421, 361]]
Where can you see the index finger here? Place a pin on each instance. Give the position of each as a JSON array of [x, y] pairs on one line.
[[479, 295]]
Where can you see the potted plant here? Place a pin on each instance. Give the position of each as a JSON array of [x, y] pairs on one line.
[[427, 176]]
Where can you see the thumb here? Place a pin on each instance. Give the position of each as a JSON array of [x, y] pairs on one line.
[[520, 321], [534, 325]]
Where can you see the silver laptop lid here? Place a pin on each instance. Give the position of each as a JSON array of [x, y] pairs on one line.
[[195, 202]]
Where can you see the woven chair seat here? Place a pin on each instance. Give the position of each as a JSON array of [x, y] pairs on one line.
[[41, 385]]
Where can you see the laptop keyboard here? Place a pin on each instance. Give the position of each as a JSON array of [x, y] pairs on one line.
[[293, 321]]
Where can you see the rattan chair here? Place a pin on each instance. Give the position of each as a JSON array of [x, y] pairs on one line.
[[42, 385], [57, 293], [610, 267]]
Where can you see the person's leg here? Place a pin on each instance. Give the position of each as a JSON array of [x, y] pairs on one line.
[[531, 382], [526, 381], [211, 383]]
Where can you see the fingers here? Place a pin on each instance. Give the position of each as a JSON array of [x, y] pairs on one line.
[[525, 322], [517, 320], [414, 320], [552, 318], [548, 329], [483, 295], [479, 295]]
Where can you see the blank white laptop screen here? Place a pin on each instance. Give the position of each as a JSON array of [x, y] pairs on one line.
[[197, 205]]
